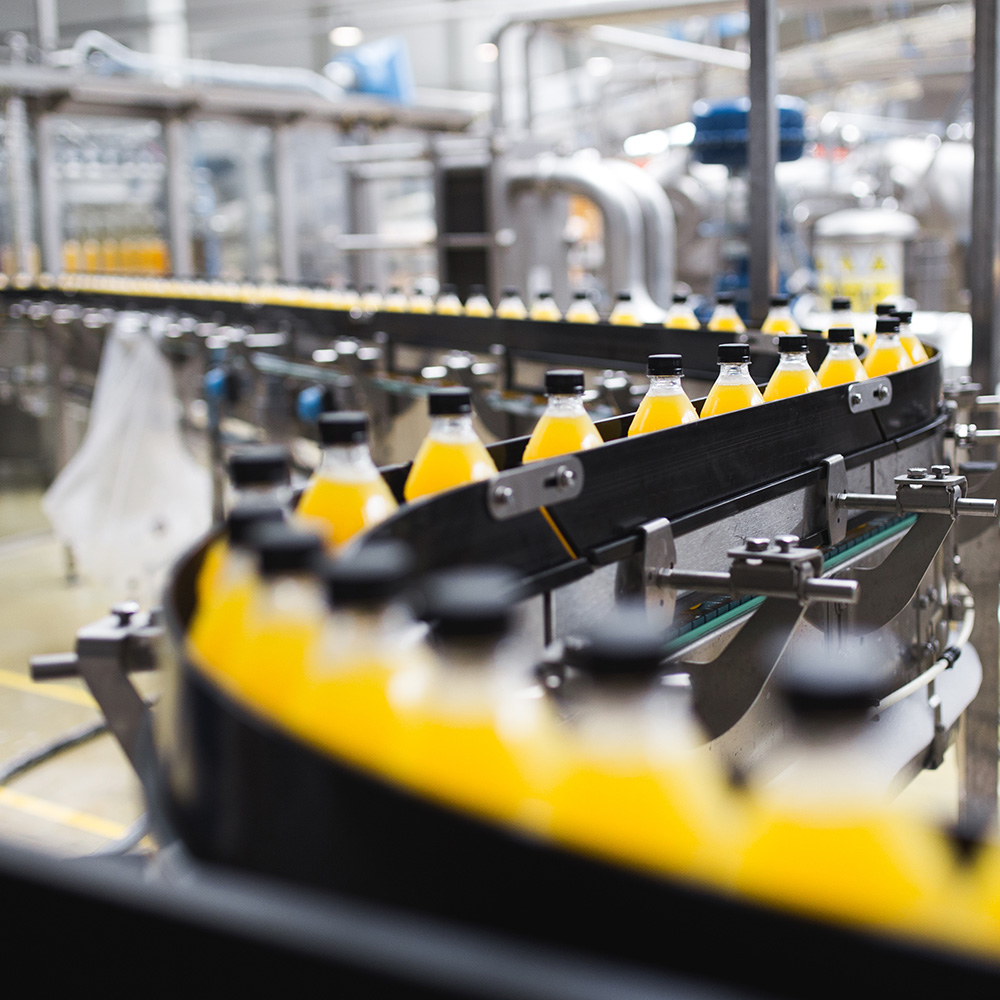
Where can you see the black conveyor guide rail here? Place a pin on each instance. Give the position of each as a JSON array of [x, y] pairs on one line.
[[694, 475]]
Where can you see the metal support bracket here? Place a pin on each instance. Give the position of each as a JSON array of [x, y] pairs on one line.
[[658, 553], [836, 485], [871, 394], [538, 484], [107, 651]]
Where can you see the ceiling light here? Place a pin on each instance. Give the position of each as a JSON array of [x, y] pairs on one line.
[[346, 36], [487, 52]]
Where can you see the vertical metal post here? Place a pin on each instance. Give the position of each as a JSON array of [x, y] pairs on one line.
[[49, 208], [286, 204], [984, 258], [47, 24], [19, 157], [531, 30], [763, 155], [179, 198]]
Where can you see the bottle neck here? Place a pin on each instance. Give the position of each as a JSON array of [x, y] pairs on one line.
[[372, 631], [565, 406], [290, 595], [665, 385], [842, 352], [793, 361], [452, 428], [734, 374], [883, 340], [347, 459]]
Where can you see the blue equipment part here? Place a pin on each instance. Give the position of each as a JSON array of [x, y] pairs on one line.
[[382, 69], [722, 131]]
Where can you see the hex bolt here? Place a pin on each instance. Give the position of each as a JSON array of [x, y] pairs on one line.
[[503, 495], [940, 471], [855, 399], [917, 473], [786, 543], [565, 477], [882, 392], [757, 544], [125, 611]]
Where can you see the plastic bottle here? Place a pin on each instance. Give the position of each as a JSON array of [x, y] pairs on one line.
[[371, 301], [460, 720], [888, 355], [908, 339], [346, 494], [351, 298], [565, 426], [725, 318], [510, 305], [734, 389], [793, 376], [478, 303], [544, 308], [779, 318], [259, 472], [395, 300], [624, 313], [342, 703], [448, 303], [840, 313], [665, 403], [883, 310], [451, 454], [265, 661], [226, 579], [581, 309], [680, 315], [420, 302], [841, 366]]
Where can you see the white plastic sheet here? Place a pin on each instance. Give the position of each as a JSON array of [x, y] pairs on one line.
[[132, 497]]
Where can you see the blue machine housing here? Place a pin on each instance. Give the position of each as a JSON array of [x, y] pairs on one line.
[[722, 131]]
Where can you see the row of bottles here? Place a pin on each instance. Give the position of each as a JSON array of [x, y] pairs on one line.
[[608, 759], [147, 256]]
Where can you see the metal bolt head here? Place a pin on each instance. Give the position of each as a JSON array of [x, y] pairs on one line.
[[882, 392], [940, 471], [503, 495], [786, 543], [917, 473], [125, 611], [565, 477], [855, 399], [757, 544]]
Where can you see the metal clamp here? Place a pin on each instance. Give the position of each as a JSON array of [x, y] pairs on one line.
[[969, 435], [923, 491], [107, 651], [871, 394], [538, 484]]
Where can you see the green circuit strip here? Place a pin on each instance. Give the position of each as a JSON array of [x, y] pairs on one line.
[[710, 612]]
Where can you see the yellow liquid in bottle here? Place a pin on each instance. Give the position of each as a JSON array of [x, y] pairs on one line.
[[479, 306], [582, 312], [840, 371], [443, 465], [219, 620], [558, 435], [726, 398], [683, 319], [728, 322], [885, 359], [211, 569], [545, 312], [71, 256], [513, 309], [656, 413], [624, 317], [344, 508], [267, 662], [790, 383], [780, 324], [913, 348]]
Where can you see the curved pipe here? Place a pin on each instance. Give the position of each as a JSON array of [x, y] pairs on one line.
[[623, 217], [659, 228]]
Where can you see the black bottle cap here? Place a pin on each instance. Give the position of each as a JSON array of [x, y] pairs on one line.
[[244, 519], [625, 646], [822, 687], [725, 298], [840, 303], [887, 325], [449, 401], [793, 343], [259, 465], [510, 292], [679, 298], [624, 296], [904, 315], [284, 549], [564, 382], [448, 289], [395, 290], [345, 427], [376, 572], [371, 287], [664, 364], [734, 354], [580, 294], [545, 294], [779, 300], [841, 335], [477, 289], [469, 603], [350, 287], [884, 309]]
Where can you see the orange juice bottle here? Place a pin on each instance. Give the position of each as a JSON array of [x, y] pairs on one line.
[[420, 302], [725, 318], [350, 298], [259, 472], [371, 301], [793, 376], [265, 659], [883, 310], [565, 426], [342, 701], [71, 256], [840, 313], [460, 722], [346, 494], [888, 355], [779, 317], [908, 339], [841, 366], [510, 305], [665, 403], [478, 303], [680, 315], [544, 308], [395, 300], [226, 578], [452, 454], [624, 313], [734, 389], [448, 303], [91, 256], [581, 309]]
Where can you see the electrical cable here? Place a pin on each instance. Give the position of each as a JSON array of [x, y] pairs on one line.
[[75, 737]]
